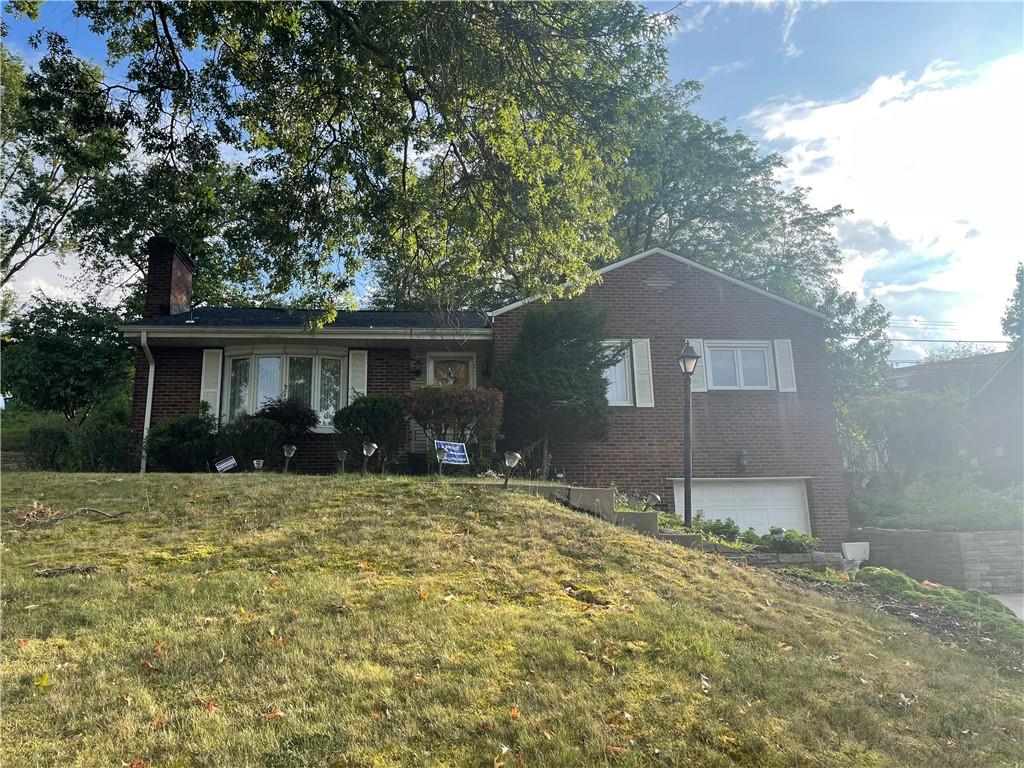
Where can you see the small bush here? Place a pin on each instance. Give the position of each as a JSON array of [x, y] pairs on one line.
[[252, 437], [470, 416], [944, 501], [104, 443], [50, 447], [728, 529], [186, 443], [295, 417], [377, 419], [792, 542]]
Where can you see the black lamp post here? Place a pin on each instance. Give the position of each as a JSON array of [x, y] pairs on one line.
[[688, 360]]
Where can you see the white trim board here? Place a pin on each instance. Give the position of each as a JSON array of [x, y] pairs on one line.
[[743, 479], [246, 332], [681, 260]]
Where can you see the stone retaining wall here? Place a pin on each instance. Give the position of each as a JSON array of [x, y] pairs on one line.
[[992, 561]]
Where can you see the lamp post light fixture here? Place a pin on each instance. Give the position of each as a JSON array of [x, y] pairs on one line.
[[777, 532], [289, 451], [653, 501], [441, 453], [688, 360], [368, 450], [511, 459]]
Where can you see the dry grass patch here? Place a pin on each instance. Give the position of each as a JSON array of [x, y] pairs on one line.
[[283, 621]]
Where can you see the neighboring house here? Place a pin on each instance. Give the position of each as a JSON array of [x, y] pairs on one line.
[[765, 444], [966, 374], [995, 423]]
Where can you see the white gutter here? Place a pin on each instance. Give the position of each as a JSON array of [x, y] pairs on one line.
[[149, 399], [227, 331]]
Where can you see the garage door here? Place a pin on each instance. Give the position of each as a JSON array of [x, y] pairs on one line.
[[757, 504]]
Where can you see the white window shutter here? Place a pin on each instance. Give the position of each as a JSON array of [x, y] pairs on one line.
[[643, 380], [209, 385], [786, 376], [356, 374], [700, 381]]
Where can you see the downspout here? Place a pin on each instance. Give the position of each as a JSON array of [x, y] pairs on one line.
[[149, 398]]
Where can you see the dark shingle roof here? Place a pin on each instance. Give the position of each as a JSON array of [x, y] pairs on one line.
[[260, 317]]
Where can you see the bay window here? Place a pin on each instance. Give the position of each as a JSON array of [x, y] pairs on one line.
[[253, 378]]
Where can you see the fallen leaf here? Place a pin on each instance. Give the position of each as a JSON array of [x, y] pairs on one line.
[[22, 643], [421, 594], [135, 762], [43, 681], [783, 647], [513, 714], [156, 724], [273, 714], [366, 566], [448, 599], [209, 704], [160, 650], [149, 666]]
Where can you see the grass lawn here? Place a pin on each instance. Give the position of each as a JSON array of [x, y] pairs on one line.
[[271, 621]]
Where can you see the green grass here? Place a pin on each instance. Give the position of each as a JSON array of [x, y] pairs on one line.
[[269, 621]]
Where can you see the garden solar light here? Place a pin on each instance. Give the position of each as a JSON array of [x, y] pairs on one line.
[[368, 450], [511, 459], [342, 456], [653, 500], [289, 451], [257, 464], [442, 454], [777, 532]]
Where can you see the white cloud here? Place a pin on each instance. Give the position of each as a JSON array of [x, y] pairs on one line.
[[693, 21], [935, 165], [723, 69], [789, 49]]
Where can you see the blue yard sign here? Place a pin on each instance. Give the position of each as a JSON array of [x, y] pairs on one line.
[[456, 452]]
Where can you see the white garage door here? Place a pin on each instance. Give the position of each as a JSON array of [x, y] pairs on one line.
[[757, 504]]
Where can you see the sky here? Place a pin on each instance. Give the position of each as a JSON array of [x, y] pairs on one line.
[[908, 113]]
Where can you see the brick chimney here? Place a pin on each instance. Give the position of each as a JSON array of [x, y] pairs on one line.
[[168, 279]]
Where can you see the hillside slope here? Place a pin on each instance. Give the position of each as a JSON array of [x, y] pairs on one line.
[[261, 620]]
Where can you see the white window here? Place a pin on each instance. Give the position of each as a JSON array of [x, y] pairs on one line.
[[739, 365], [316, 380], [620, 377]]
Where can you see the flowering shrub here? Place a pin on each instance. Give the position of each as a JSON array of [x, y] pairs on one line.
[[470, 416]]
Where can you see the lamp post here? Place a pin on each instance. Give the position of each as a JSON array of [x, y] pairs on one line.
[[511, 459], [289, 451], [442, 454], [688, 360], [368, 450]]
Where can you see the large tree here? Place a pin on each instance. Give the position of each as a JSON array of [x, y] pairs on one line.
[[65, 356], [438, 141], [61, 137]]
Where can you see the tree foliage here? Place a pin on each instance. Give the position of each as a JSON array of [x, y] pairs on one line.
[[445, 141], [1013, 317], [458, 414], [65, 356], [553, 378]]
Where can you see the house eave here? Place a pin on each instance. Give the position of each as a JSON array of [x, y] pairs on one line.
[[162, 332]]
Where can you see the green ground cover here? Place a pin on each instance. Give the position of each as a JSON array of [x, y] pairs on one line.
[[347, 621]]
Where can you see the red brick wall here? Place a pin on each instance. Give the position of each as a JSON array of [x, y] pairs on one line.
[[784, 434], [168, 279], [178, 378]]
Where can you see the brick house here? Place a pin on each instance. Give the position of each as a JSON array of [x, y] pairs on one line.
[[765, 443], [995, 423]]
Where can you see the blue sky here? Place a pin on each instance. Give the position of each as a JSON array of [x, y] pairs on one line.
[[910, 113]]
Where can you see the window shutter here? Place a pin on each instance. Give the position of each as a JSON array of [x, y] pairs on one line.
[[700, 381], [642, 379], [786, 376], [209, 384], [356, 374]]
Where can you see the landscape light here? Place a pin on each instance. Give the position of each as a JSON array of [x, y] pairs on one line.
[[777, 532], [653, 500], [342, 456], [511, 460], [257, 464], [289, 451], [442, 454], [368, 450]]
